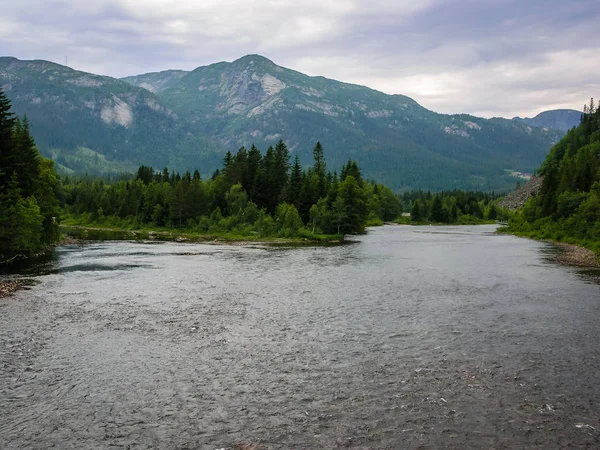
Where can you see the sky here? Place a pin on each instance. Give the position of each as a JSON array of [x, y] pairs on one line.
[[489, 58]]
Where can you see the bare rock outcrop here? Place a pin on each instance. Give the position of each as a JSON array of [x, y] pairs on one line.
[[517, 199]]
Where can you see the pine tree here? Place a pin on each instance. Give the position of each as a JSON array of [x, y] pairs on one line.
[[294, 186], [415, 212], [320, 168], [437, 210], [7, 144]]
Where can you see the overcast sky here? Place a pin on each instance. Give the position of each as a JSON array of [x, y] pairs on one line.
[[483, 57]]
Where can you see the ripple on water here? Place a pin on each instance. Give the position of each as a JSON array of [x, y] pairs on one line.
[[411, 337]]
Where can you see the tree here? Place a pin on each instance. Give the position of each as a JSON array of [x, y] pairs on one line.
[[319, 168], [353, 197], [438, 214], [26, 158], [145, 174], [415, 212], [7, 145], [237, 200], [29, 210], [293, 189], [493, 212], [288, 220], [339, 214], [21, 223]]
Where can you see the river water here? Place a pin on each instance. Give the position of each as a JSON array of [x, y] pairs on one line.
[[409, 337]]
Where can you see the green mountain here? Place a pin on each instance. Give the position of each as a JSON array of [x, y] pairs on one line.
[[192, 119], [96, 124], [559, 119], [394, 139]]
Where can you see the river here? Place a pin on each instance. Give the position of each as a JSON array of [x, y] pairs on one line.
[[408, 337]]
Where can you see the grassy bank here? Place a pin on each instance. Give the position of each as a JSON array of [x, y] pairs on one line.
[[76, 229]]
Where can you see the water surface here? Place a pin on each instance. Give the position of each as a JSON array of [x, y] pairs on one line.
[[409, 337]]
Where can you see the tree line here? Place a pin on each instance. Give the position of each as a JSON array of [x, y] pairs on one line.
[[568, 205], [252, 193], [29, 187], [453, 207]]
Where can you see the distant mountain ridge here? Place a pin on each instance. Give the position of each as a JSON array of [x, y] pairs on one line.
[[188, 120], [559, 119]]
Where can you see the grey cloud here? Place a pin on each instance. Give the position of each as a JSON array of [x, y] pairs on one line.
[[493, 57]]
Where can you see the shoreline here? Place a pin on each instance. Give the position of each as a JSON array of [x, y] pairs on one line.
[[78, 234], [576, 256], [7, 288], [571, 255]]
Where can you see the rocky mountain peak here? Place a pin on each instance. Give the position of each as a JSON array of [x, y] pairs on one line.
[[245, 86]]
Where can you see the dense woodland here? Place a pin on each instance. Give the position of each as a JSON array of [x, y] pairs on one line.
[[29, 208], [453, 207], [252, 194], [267, 195], [568, 206]]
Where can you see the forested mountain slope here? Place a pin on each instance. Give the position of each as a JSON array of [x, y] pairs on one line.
[[568, 205], [91, 123]]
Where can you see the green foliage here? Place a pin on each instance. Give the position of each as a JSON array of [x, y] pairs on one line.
[[21, 225], [568, 205], [288, 220], [253, 194], [454, 207], [29, 189]]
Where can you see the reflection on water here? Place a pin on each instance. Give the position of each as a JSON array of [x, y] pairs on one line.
[[411, 337]]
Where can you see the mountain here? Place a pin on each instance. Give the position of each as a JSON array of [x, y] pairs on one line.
[[192, 118], [393, 138], [156, 81], [559, 119], [97, 124]]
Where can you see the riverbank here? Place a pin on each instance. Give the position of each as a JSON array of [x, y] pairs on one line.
[[572, 254], [82, 233], [9, 287], [464, 220]]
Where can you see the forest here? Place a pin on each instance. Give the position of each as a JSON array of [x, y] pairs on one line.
[[252, 194], [568, 206], [453, 207], [29, 206]]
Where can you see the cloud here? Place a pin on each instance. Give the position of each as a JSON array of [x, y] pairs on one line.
[[493, 57]]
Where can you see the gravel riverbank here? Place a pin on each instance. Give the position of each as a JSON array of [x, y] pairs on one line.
[[574, 255], [10, 286]]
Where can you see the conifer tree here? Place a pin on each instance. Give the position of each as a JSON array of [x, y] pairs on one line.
[[7, 146], [437, 210], [294, 186], [320, 168]]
